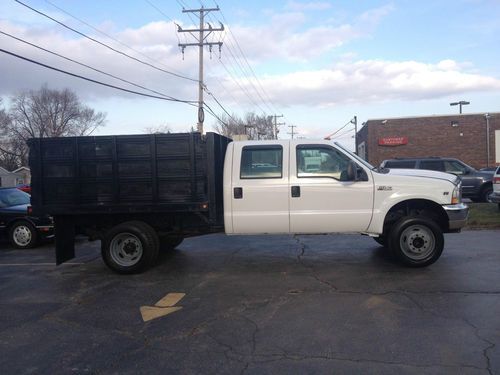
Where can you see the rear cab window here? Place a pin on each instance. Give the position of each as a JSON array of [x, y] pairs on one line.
[[258, 162]]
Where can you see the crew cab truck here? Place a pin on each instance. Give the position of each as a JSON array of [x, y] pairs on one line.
[[140, 193]]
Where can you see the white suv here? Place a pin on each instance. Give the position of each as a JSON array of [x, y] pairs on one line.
[[495, 197]]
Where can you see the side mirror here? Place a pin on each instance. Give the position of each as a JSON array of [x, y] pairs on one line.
[[352, 168]]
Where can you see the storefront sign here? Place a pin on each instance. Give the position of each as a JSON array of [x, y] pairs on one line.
[[392, 141]]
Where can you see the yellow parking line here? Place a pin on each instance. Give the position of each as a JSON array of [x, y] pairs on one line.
[[163, 307], [170, 299]]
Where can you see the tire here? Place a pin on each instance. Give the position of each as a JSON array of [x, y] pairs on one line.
[[169, 243], [485, 193], [416, 241], [130, 247], [23, 235], [381, 240]]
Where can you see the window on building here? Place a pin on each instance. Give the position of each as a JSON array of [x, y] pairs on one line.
[[406, 164], [433, 165], [321, 161], [261, 162]]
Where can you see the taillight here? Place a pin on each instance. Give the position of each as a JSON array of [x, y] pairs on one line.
[[496, 180], [30, 210]]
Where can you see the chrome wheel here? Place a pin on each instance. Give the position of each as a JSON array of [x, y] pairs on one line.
[[417, 242], [126, 249], [21, 235]]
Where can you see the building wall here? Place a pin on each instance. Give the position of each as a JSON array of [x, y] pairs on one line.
[[12, 179], [459, 136]]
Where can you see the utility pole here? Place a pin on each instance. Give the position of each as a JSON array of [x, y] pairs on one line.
[[201, 42], [276, 124], [355, 122], [292, 132]]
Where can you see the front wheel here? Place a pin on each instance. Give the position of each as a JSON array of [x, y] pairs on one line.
[[417, 242], [23, 235]]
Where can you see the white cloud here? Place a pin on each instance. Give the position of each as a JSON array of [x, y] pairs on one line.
[[286, 37], [372, 81], [156, 40]]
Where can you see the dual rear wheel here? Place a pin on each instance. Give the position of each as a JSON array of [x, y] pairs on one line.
[[133, 247]]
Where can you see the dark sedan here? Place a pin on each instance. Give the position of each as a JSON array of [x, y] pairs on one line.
[[23, 230]]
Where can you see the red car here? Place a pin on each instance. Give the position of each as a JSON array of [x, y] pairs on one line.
[[25, 187]]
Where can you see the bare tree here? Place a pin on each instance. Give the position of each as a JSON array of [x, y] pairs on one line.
[[253, 125], [44, 113], [160, 129]]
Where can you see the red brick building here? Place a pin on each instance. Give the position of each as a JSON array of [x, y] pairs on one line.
[[459, 136]]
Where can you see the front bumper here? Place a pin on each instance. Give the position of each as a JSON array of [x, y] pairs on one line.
[[495, 197], [457, 216]]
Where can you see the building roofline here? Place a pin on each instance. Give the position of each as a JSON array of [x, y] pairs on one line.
[[447, 115], [18, 169]]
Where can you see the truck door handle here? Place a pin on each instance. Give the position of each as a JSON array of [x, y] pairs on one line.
[[295, 191], [238, 193]]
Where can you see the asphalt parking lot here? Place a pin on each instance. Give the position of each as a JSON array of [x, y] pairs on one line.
[[255, 305]]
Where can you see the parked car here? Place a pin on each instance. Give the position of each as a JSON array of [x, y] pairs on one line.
[[25, 187], [23, 230], [495, 197], [476, 185]]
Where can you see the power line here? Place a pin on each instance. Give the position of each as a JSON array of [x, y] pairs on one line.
[[109, 36], [335, 132], [95, 81], [104, 44], [166, 16], [88, 66], [243, 89], [217, 101], [248, 64]]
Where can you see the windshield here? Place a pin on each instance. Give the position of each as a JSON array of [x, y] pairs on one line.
[[364, 162], [13, 197]]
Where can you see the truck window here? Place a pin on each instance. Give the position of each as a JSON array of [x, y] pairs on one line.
[[406, 164], [261, 162], [320, 161], [433, 165]]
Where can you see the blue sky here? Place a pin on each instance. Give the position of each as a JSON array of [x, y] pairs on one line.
[[317, 62]]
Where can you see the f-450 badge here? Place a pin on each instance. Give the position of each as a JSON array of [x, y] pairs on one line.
[[384, 188]]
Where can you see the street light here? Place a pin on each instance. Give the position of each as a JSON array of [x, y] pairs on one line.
[[460, 103]]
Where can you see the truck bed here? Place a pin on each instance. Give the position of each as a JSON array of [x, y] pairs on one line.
[[156, 173]]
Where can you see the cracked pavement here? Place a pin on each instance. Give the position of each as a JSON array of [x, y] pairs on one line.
[[256, 305]]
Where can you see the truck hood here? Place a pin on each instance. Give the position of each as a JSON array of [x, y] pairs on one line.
[[425, 173]]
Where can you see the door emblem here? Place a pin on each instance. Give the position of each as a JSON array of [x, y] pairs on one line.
[[384, 188]]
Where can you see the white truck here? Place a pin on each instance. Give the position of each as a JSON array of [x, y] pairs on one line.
[[248, 187]]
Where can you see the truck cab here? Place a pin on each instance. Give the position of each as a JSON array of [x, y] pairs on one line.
[[299, 186]]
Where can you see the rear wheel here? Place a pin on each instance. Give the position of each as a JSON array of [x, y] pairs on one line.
[[417, 242], [23, 235], [130, 247]]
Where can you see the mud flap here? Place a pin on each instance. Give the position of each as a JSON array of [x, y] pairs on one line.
[[65, 238]]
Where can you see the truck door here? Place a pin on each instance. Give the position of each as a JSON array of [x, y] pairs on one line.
[[320, 200], [260, 188]]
